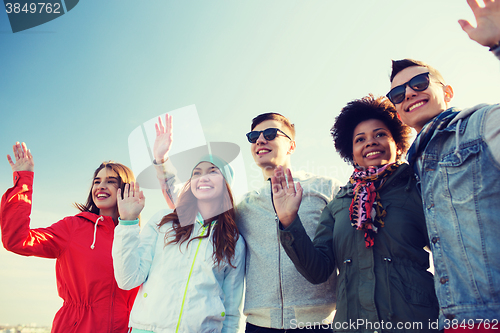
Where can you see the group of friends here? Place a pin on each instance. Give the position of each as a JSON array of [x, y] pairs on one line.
[[301, 247]]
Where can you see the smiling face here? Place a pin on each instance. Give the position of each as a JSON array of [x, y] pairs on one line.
[[270, 154], [418, 107], [104, 191], [373, 144], [207, 182]]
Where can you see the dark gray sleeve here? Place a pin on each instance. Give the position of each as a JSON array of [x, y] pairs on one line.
[[313, 259], [496, 52]]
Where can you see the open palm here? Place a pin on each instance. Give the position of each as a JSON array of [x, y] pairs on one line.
[[286, 196], [163, 140], [132, 203], [487, 30], [23, 158]]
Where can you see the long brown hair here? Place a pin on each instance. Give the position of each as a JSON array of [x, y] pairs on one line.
[[225, 231], [125, 175]]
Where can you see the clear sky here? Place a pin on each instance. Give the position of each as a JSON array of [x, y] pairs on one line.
[[74, 89]]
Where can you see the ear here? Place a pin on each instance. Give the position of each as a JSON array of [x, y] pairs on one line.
[[448, 93], [292, 147]]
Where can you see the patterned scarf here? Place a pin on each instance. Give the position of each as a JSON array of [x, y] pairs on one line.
[[425, 135], [366, 210]]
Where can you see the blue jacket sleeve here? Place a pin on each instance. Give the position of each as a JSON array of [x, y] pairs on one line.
[[133, 252]]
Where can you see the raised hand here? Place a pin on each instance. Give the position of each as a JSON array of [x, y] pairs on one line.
[[132, 203], [23, 158], [285, 197], [163, 140], [487, 30]]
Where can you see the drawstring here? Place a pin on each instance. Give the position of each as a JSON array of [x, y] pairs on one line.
[[457, 142], [95, 231], [387, 261]]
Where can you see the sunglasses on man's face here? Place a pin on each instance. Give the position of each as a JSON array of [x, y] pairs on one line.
[[419, 82], [269, 134]]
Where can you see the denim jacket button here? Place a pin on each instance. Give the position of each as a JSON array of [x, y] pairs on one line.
[[450, 316], [443, 280], [435, 240]]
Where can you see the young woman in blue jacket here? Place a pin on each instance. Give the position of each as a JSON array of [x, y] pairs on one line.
[[189, 262]]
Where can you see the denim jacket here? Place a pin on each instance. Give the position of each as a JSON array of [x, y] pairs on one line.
[[460, 181]]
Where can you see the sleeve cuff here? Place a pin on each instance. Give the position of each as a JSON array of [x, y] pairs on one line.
[[128, 222]]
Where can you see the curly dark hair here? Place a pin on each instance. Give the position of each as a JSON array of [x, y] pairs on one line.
[[363, 109]]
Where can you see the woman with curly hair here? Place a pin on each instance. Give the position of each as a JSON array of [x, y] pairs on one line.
[[373, 231], [189, 262]]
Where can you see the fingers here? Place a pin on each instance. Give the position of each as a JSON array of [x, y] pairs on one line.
[[160, 125], [474, 5], [10, 160], [169, 122], [290, 179], [132, 190]]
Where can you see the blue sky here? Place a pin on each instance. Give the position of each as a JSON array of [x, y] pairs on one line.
[[74, 89]]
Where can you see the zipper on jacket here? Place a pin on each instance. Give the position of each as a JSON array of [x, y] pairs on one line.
[[189, 278], [276, 219]]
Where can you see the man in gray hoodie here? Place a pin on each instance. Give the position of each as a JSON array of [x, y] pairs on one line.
[[277, 297]]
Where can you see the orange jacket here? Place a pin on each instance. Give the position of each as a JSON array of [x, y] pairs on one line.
[[85, 279]]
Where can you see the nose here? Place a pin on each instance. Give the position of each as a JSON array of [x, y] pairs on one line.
[[409, 92], [261, 138], [204, 177], [372, 141]]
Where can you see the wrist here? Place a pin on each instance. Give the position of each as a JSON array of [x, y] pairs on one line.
[[158, 161], [496, 46], [126, 221]]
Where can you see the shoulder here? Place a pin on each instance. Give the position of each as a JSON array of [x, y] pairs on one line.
[[155, 220]]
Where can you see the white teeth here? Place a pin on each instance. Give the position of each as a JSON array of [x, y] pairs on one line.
[[204, 187], [263, 151], [415, 105], [102, 195], [372, 153]]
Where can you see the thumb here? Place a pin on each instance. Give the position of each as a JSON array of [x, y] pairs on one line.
[[466, 26]]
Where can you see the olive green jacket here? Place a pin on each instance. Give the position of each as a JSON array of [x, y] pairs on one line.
[[384, 288]]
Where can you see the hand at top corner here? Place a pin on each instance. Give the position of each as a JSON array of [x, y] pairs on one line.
[[487, 30]]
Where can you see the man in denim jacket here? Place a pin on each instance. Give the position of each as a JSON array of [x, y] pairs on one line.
[[457, 157]]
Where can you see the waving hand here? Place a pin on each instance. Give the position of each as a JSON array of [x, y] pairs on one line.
[[163, 140], [285, 197], [23, 158], [487, 31]]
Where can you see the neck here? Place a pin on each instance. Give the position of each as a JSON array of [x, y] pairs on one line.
[[110, 212], [268, 170]]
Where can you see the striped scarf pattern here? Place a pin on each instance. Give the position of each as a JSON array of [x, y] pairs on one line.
[[366, 211]]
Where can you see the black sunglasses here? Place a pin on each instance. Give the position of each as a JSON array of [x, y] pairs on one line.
[[269, 134], [419, 82]]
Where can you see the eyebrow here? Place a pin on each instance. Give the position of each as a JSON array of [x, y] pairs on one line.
[[375, 130], [115, 178]]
